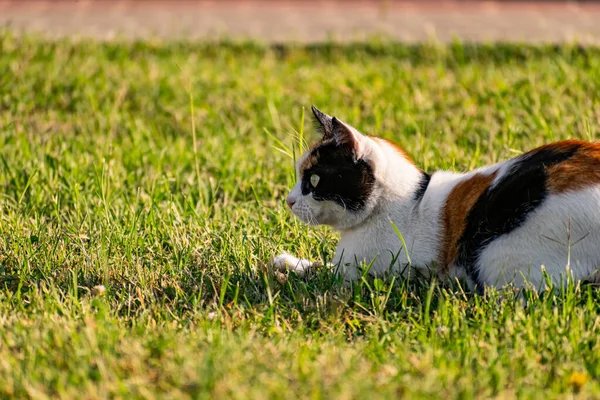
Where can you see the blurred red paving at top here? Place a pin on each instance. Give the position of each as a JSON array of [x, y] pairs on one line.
[[308, 21]]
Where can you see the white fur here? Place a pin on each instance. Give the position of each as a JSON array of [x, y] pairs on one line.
[[368, 236], [564, 232]]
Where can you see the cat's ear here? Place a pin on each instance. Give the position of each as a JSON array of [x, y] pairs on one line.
[[333, 128], [324, 123], [345, 135]]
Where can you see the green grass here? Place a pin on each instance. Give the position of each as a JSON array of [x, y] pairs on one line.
[[101, 183]]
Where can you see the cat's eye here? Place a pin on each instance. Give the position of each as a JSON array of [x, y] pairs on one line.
[[314, 180]]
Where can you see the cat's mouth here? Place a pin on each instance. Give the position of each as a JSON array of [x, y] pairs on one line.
[[306, 215]]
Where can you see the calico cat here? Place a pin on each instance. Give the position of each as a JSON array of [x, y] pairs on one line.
[[497, 225]]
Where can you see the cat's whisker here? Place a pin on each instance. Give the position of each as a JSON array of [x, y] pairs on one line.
[[312, 217]]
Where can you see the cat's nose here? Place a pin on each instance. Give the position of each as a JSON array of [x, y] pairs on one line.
[[290, 202]]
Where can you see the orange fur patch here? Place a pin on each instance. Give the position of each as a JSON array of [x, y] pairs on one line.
[[579, 171], [458, 205], [308, 162]]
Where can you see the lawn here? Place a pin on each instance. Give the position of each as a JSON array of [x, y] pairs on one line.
[[159, 170]]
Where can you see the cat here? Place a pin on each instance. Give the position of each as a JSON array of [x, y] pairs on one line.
[[491, 227]]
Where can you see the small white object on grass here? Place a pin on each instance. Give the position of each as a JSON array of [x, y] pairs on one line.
[[284, 262], [98, 290]]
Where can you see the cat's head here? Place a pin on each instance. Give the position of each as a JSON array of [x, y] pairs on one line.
[[337, 181]]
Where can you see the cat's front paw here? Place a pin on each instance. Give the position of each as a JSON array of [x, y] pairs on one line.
[[285, 262]]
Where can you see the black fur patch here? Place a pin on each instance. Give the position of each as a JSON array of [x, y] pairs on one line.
[[423, 184], [504, 206], [343, 178]]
